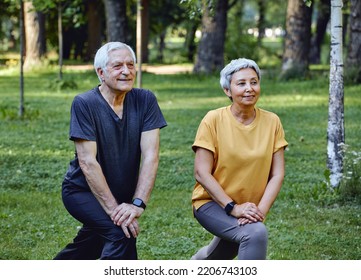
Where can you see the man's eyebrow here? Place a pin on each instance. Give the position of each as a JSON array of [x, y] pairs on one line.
[[116, 62]]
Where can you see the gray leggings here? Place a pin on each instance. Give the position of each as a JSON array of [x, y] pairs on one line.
[[247, 242]]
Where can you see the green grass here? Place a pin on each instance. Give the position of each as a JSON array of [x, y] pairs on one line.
[[306, 222]]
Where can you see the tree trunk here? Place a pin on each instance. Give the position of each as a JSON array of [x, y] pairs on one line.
[[60, 40], [297, 43], [161, 46], [139, 42], [115, 11], [211, 47], [22, 52], [189, 44], [94, 16], [354, 48], [345, 20], [335, 129], [42, 34], [145, 30], [32, 36], [323, 18], [261, 21]]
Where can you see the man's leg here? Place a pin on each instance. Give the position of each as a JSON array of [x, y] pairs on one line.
[[86, 246], [98, 228], [124, 249]]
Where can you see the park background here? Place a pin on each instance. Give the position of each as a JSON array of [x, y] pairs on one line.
[[310, 219]]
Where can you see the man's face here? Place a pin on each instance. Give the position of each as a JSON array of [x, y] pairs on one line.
[[120, 71]]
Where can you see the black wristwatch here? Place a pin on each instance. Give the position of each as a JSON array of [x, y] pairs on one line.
[[139, 203], [229, 207]]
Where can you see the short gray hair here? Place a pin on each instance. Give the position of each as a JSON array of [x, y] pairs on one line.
[[101, 58], [234, 66]]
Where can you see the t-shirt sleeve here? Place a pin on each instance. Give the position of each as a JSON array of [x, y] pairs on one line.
[[153, 117], [205, 135], [280, 141], [81, 124]]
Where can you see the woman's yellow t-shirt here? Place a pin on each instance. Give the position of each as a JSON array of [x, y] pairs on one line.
[[242, 153]]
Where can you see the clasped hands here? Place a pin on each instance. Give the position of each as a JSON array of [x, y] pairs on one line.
[[247, 213], [126, 216]]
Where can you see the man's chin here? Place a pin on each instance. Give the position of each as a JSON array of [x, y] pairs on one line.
[[125, 88]]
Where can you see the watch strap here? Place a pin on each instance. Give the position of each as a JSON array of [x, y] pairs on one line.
[[229, 207], [139, 203]]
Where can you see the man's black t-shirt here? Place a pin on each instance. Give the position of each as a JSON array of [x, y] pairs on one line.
[[118, 140]]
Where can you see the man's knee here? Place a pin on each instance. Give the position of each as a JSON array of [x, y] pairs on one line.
[[123, 249]]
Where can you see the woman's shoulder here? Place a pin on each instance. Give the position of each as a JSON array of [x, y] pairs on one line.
[[215, 113], [268, 117], [267, 113]]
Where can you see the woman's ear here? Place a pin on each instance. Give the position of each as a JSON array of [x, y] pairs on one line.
[[227, 92]]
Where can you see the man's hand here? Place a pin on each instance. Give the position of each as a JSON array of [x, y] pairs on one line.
[[125, 215]]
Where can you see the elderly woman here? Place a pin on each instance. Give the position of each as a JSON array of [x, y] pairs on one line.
[[239, 168]]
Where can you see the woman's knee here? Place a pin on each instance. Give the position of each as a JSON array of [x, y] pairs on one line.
[[253, 245], [255, 231]]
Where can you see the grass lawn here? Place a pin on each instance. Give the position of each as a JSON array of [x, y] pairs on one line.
[[306, 222]]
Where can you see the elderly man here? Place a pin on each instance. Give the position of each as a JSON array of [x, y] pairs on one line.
[[115, 128]]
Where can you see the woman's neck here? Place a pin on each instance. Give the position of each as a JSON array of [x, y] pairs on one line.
[[243, 115]]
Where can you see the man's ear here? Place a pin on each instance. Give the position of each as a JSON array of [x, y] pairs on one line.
[[100, 73]]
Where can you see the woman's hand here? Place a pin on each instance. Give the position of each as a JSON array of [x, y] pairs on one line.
[[247, 213]]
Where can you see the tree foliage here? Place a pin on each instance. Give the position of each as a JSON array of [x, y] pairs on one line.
[[167, 18]]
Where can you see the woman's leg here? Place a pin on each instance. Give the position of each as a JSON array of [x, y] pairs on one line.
[[247, 242], [218, 249]]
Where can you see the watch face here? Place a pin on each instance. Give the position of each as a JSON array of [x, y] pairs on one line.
[[139, 203]]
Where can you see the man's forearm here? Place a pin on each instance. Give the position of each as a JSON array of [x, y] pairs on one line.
[[147, 176], [99, 186]]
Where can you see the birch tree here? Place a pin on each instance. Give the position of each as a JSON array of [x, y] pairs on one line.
[[335, 129]]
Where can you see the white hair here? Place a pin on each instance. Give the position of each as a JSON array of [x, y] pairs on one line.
[[234, 66]]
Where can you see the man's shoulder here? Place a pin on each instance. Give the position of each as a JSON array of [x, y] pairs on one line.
[[88, 94], [142, 96], [140, 93], [87, 98]]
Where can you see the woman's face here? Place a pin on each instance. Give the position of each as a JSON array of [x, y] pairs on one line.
[[245, 88]]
